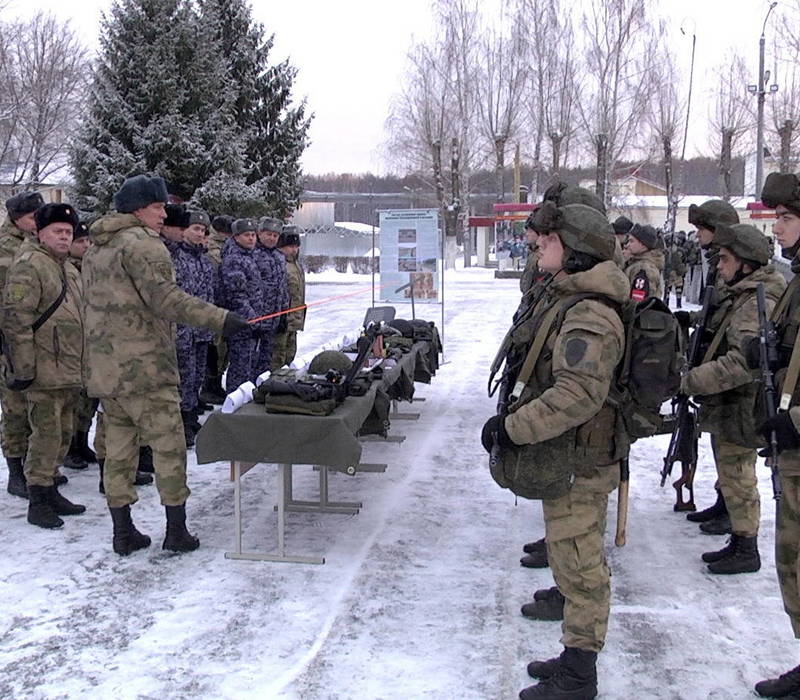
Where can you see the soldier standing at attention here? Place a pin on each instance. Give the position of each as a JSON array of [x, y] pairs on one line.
[[567, 389], [724, 387], [272, 266], [43, 327], [286, 341], [14, 429], [645, 262], [132, 302], [531, 274]]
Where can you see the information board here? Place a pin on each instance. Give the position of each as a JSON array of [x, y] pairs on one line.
[[410, 250]]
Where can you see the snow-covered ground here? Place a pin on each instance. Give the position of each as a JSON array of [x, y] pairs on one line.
[[421, 591]]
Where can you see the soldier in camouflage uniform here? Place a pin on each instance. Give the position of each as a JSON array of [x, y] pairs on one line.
[[286, 341], [241, 291], [782, 192], [131, 305], [14, 428], [568, 388], [645, 262], [674, 268], [724, 387], [531, 274], [272, 266], [706, 216], [43, 327]]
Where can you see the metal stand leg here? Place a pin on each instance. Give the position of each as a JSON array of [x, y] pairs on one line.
[[377, 438], [323, 505], [394, 414], [372, 468]]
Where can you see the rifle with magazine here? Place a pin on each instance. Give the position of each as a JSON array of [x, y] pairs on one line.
[[767, 359], [683, 443]]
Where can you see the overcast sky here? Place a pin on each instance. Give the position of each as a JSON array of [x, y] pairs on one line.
[[351, 57]]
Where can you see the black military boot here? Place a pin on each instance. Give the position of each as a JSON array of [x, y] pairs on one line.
[[188, 427], [703, 516], [533, 547], [40, 510], [537, 558], [82, 439], [146, 459], [74, 459], [61, 505], [785, 685], [16, 477], [574, 678], [744, 558], [178, 538], [547, 593], [203, 406], [719, 554], [127, 538], [212, 391], [544, 669], [546, 607], [717, 526], [59, 479], [678, 301]]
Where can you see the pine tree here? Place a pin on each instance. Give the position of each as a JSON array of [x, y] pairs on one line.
[[274, 129]]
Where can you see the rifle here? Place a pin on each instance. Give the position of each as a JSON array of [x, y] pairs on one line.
[[622, 502], [364, 345], [683, 443], [767, 358]]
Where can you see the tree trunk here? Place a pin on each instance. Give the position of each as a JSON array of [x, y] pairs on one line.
[[786, 132], [499, 168], [672, 203], [555, 146], [601, 173], [725, 163]]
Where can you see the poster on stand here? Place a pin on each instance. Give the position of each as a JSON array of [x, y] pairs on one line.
[[410, 251]]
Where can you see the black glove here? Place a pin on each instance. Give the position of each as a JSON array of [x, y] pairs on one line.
[[684, 319], [496, 426], [785, 433], [234, 324], [283, 323], [19, 384]]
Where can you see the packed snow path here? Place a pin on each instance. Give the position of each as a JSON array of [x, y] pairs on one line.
[[421, 591]]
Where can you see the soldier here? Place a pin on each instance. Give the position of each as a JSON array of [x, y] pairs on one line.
[[674, 268], [713, 520], [286, 341], [724, 388], [531, 274], [240, 290], [131, 303], [43, 327], [645, 265], [782, 192], [622, 226], [219, 235], [14, 429], [272, 266], [568, 388]]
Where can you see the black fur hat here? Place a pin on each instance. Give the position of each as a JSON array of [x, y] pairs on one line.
[[81, 231], [782, 188], [23, 203], [140, 191], [176, 216], [622, 225], [222, 223], [290, 235], [646, 235], [56, 213]]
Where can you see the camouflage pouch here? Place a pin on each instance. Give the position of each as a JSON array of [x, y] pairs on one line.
[[289, 403]]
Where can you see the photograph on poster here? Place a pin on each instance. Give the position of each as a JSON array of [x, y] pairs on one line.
[[406, 235]]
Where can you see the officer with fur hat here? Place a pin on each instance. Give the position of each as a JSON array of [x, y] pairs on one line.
[[581, 346], [241, 291], [645, 262], [219, 234], [131, 305], [14, 428], [43, 328], [724, 387], [782, 193], [286, 341]]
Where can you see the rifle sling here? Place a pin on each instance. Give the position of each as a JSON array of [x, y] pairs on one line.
[[536, 349], [716, 341], [792, 375], [786, 297], [50, 310]]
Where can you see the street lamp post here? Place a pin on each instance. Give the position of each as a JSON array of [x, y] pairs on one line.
[[761, 92]]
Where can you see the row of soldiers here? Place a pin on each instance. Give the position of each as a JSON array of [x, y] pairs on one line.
[[555, 410], [100, 316]]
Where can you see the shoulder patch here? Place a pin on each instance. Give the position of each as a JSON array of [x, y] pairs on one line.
[[16, 292], [574, 351]]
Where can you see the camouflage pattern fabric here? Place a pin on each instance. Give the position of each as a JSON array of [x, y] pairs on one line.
[[154, 420], [531, 273], [11, 239], [132, 302], [574, 532], [192, 368], [50, 417], [100, 436], [284, 349], [14, 427], [216, 241], [242, 358], [272, 266], [787, 544], [296, 279], [675, 282], [53, 355], [736, 472], [83, 411], [651, 263]]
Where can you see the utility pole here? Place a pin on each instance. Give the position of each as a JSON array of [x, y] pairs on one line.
[[761, 92]]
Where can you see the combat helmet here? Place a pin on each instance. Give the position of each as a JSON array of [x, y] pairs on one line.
[[328, 360], [580, 227], [713, 212], [746, 242]]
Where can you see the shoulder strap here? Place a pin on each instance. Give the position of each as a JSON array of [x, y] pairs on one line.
[[39, 322], [786, 297], [716, 341]]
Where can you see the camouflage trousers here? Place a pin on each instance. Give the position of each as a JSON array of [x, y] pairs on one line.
[[241, 362], [83, 411], [100, 437], [736, 477], [192, 370], [50, 417], [787, 548], [675, 280], [153, 419], [574, 531], [284, 349], [14, 426]]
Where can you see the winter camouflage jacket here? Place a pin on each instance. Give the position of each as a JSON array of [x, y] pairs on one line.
[[272, 266], [11, 239], [240, 288], [216, 241], [195, 275], [572, 377], [53, 355], [724, 384], [296, 278], [131, 305], [531, 273], [651, 266]]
